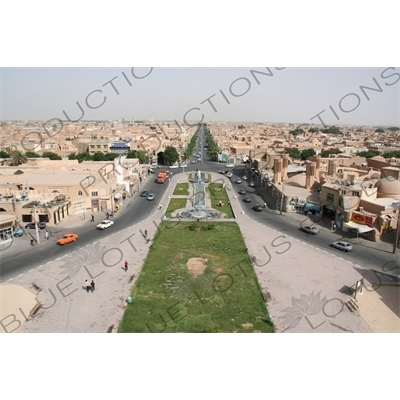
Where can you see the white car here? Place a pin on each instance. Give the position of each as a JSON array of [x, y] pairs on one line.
[[105, 224], [183, 166], [173, 166]]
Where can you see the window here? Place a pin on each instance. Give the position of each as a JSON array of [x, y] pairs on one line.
[[341, 201], [343, 192], [95, 194], [355, 194], [92, 146], [80, 193], [330, 197]]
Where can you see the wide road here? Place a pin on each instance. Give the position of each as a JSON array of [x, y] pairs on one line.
[[138, 209]]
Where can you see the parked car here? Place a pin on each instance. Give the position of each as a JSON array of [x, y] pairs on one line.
[[67, 238], [31, 225], [242, 191], [247, 199], [244, 177], [151, 196], [105, 224], [238, 181], [19, 232], [312, 230], [252, 184], [344, 246], [144, 193], [257, 207], [193, 161]]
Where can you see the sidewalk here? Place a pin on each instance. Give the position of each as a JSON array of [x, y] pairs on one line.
[[303, 285]]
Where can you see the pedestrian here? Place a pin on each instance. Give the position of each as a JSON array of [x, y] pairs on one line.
[[92, 220], [145, 233], [309, 214], [87, 284], [107, 215], [126, 265], [46, 235], [92, 284]]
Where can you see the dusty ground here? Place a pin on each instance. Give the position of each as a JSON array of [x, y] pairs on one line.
[[197, 265]]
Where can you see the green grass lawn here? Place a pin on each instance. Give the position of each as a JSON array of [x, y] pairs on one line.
[[181, 189], [218, 193], [175, 204], [223, 297]]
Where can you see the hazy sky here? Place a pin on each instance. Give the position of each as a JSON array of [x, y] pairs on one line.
[[287, 95]]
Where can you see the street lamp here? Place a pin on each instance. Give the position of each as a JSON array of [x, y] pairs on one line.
[[396, 239]]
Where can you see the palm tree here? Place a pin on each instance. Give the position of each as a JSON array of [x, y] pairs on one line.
[[17, 158]]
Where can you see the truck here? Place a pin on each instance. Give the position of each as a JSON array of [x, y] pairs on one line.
[[162, 176]]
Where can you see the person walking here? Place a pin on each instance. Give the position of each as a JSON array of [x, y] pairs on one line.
[[87, 284], [145, 233], [126, 265], [92, 284], [92, 220], [46, 235]]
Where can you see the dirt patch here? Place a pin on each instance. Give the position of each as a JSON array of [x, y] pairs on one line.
[[248, 325], [218, 270], [197, 265], [176, 204], [180, 188]]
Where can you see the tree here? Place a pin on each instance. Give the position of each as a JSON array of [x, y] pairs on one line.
[[85, 156], [307, 153], [326, 153], [51, 155], [72, 156], [140, 154], [17, 158], [4, 154], [110, 156], [368, 154], [296, 132], [332, 129], [313, 130], [294, 153], [171, 155], [98, 156], [32, 154], [379, 130]]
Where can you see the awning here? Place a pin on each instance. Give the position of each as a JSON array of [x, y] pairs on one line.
[[330, 207], [361, 228], [313, 206]]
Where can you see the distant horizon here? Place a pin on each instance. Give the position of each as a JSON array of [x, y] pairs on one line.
[[205, 122], [314, 96]]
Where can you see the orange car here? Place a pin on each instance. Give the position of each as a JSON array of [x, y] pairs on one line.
[[67, 238]]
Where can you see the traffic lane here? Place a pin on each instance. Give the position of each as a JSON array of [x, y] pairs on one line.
[[14, 264], [360, 255]]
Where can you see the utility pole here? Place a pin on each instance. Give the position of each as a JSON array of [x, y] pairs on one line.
[[111, 198], [36, 225], [396, 239], [282, 198]]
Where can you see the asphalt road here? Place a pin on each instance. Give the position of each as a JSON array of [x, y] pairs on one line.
[[137, 209]]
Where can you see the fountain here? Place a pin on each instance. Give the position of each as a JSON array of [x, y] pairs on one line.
[[198, 209]]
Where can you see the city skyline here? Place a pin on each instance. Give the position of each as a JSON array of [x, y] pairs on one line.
[[330, 96]]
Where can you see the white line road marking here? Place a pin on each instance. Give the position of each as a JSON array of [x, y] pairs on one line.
[[31, 270], [20, 274]]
